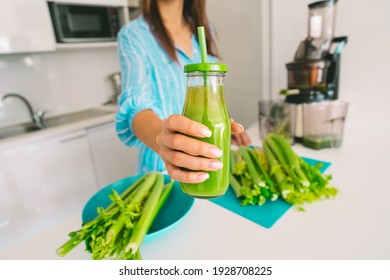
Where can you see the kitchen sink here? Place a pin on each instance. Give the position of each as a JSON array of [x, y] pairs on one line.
[[14, 130], [20, 129], [74, 117]]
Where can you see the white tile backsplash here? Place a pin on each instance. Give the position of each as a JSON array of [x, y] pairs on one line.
[[58, 82]]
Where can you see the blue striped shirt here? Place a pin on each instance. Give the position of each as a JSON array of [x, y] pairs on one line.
[[150, 80]]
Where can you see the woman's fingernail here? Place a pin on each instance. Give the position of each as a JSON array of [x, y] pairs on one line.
[[242, 128], [205, 132], [216, 165], [216, 152], [203, 177]]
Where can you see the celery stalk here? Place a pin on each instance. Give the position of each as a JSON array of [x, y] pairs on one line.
[[136, 199], [236, 186], [145, 221], [126, 221], [299, 182], [128, 191], [257, 180], [292, 159]]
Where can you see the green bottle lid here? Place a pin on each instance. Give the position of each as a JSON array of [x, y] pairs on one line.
[[205, 67]]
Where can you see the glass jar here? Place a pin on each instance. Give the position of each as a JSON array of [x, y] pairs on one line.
[[205, 103]]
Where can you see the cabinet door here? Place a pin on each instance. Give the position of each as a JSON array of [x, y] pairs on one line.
[[42, 183], [111, 158], [25, 26]]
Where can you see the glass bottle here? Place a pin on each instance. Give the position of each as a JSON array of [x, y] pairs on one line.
[[205, 103]]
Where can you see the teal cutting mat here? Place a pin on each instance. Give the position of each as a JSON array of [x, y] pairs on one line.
[[267, 214]]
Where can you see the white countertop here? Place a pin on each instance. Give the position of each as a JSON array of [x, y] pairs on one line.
[[58, 130], [354, 226]]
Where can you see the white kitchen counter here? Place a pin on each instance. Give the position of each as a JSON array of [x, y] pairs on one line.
[[60, 129], [354, 226]]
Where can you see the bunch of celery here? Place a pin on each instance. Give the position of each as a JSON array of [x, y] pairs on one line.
[[119, 230], [249, 179], [297, 181]]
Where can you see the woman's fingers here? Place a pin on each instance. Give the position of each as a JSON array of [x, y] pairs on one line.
[[239, 136], [236, 127], [176, 137], [188, 145], [236, 140], [241, 139], [184, 176], [183, 160], [181, 124]]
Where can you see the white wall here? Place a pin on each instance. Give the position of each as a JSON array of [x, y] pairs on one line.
[[59, 82], [365, 60], [238, 26]]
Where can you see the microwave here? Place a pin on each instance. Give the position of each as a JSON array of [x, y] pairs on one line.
[[78, 23]]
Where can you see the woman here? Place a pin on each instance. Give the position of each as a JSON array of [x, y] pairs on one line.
[[153, 50]]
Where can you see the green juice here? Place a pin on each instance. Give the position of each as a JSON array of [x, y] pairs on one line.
[[206, 104]]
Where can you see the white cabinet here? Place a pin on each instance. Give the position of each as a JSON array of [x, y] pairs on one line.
[[47, 180], [42, 183], [25, 26], [112, 159]]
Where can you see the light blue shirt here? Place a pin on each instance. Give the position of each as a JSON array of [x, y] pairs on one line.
[[150, 80]]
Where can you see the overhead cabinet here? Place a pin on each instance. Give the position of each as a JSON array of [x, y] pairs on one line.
[[25, 26]]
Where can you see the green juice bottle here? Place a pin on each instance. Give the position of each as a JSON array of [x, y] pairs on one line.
[[205, 103]]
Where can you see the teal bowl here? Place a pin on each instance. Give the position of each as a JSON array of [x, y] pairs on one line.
[[174, 210]]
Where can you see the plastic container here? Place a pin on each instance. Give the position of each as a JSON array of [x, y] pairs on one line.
[[307, 75], [205, 103], [274, 117], [323, 124], [321, 25]]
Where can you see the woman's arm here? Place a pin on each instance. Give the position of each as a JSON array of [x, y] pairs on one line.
[[136, 94], [147, 126]]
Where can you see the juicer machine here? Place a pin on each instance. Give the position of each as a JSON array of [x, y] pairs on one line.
[[313, 75]]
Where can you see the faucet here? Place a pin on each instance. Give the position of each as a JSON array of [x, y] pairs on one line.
[[37, 117]]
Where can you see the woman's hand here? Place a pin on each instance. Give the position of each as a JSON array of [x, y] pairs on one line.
[[239, 136], [179, 149]]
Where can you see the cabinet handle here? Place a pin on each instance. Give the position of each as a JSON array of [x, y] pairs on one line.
[[72, 138]]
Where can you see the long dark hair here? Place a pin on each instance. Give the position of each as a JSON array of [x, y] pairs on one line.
[[194, 12]]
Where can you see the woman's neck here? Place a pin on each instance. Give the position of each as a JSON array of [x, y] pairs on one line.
[[171, 12]]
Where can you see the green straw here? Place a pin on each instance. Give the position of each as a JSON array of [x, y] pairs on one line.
[[202, 43], [203, 50]]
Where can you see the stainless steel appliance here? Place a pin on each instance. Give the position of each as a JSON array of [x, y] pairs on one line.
[[313, 75], [75, 23]]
